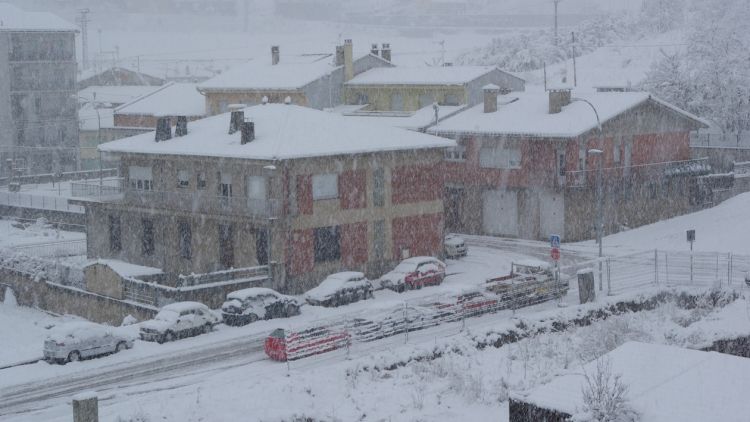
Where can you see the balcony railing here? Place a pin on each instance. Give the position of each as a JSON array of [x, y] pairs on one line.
[[110, 187], [642, 172], [203, 202]]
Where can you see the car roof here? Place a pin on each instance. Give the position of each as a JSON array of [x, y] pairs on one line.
[[419, 259], [345, 275], [251, 292], [183, 306]]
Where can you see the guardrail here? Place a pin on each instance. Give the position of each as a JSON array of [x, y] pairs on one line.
[[59, 249], [91, 188], [220, 276], [52, 203]]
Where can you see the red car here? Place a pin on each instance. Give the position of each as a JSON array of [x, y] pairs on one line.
[[282, 346], [414, 273]]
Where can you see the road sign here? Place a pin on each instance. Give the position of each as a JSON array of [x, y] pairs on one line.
[[691, 235], [555, 253], [554, 241]]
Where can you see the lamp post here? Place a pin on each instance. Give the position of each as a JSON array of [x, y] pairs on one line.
[[599, 187]]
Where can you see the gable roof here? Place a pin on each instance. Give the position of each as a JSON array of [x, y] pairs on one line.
[[281, 132], [114, 94], [423, 75], [14, 19], [171, 99], [527, 114], [665, 383]]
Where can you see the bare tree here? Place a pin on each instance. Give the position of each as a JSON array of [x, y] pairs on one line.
[[605, 396]]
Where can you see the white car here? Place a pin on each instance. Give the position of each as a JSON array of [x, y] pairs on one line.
[[414, 273], [455, 246], [340, 289], [178, 320], [79, 340]]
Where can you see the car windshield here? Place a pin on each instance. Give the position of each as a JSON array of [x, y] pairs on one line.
[[167, 315]]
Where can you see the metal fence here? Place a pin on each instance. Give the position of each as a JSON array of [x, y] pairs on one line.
[[52, 203], [59, 249], [92, 188]]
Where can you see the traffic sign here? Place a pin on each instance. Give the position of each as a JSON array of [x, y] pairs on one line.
[[555, 253], [554, 240]]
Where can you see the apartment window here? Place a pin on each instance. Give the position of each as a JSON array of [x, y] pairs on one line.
[[362, 99], [616, 151], [378, 241], [457, 153], [561, 163], [261, 246], [147, 239], [226, 245], [141, 178], [225, 185], [201, 180], [327, 244], [185, 239], [378, 191], [500, 157], [397, 102], [325, 186], [183, 178], [115, 234]]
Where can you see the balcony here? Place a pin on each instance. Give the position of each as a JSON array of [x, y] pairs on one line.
[[635, 174]]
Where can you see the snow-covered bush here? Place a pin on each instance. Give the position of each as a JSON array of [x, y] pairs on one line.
[[128, 320], [605, 397]]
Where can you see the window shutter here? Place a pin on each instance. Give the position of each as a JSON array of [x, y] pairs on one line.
[[304, 194]]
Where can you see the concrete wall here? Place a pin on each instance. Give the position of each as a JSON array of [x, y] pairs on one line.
[[379, 96], [6, 121]]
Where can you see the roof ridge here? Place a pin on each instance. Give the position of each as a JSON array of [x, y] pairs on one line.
[[142, 97]]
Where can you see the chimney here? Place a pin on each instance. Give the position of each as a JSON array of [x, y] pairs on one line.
[[374, 50], [339, 55], [248, 132], [348, 60], [558, 98], [235, 120], [385, 52], [275, 55], [181, 128], [163, 129], [490, 97]]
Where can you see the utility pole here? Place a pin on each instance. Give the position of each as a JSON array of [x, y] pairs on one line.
[[575, 70], [84, 20], [557, 39]]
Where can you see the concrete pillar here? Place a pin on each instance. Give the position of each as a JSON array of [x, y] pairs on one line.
[[348, 60], [86, 407]]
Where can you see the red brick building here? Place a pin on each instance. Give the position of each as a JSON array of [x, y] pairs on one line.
[[523, 165]]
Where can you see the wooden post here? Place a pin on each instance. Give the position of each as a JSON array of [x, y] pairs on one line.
[[86, 408]]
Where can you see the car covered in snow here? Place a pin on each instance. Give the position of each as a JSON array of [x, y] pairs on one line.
[[81, 340], [455, 246], [414, 273], [340, 289], [249, 305], [178, 320]]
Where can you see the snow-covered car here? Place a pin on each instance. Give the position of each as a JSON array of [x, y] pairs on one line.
[[178, 320], [80, 340], [414, 273], [455, 246], [249, 305], [340, 289]]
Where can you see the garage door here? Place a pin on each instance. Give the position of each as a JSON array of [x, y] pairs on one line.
[[500, 213], [552, 215]]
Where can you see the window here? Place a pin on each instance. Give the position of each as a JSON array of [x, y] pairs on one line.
[[451, 100], [261, 246], [147, 240], [378, 191], [378, 241], [225, 185], [325, 186], [397, 102], [616, 150], [183, 179], [362, 99], [141, 178], [457, 153], [500, 157], [327, 244], [426, 100], [185, 239], [201, 180], [115, 234], [561, 163], [226, 245]]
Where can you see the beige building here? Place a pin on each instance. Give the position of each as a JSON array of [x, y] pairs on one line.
[[313, 192]]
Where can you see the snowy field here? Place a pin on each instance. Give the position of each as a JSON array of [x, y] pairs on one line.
[[25, 233]]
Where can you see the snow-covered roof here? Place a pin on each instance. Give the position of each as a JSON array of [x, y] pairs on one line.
[[114, 94], [424, 75], [665, 384], [527, 114], [417, 120], [292, 72], [14, 19], [281, 132], [172, 99], [126, 269], [89, 117]]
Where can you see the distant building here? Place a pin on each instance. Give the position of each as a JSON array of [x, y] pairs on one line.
[[310, 191], [523, 166], [412, 88], [116, 76], [170, 100], [311, 80], [37, 92]]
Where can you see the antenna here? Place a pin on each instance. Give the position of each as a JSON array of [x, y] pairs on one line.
[[575, 71], [84, 20], [545, 76], [557, 39]]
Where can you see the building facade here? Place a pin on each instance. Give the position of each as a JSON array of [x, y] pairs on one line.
[[521, 169], [339, 196], [38, 111]]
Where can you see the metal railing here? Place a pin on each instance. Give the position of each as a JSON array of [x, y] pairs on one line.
[[635, 173], [51, 203], [204, 202], [221, 276], [58, 249], [93, 188]]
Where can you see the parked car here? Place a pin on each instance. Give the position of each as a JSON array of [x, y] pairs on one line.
[[281, 345], [340, 289], [81, 340], [414, 273], [455, 246], [178, 320], [249, 305]]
